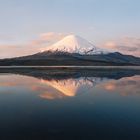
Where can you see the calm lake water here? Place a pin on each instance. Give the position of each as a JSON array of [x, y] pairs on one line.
[[69, 108]]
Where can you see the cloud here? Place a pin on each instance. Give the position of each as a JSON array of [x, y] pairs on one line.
[[29, 47], [110, 45], [16, 50], [126, 45], [8, 50], [47, 38]]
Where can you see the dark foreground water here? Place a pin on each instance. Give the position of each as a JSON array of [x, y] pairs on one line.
[[89, 107]]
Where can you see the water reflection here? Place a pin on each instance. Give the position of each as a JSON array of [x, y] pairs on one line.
[[70, 87], [125, 86], [37, 105], [61, 88], [51, 88]]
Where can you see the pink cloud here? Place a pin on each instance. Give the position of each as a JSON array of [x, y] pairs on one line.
[[47, 38], [126, 45], [31, 47]]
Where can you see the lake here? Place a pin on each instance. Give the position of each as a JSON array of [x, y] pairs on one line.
[[69, 104]]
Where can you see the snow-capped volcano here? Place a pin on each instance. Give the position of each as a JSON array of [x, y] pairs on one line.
[[75, 44], [73, 51]]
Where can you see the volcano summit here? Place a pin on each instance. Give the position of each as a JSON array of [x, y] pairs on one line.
[[75, 44]]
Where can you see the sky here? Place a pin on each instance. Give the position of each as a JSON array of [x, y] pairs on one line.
[[26, 26]]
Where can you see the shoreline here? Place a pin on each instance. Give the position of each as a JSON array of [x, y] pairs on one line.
[[73, 67]]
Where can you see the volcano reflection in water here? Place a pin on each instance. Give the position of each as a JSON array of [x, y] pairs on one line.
[[38, 107]]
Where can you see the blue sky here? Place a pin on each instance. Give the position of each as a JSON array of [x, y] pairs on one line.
[[99, 21]]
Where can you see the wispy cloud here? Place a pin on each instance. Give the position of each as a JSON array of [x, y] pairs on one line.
[[29, 47], [8, 51], [126, 45], [47, 38]]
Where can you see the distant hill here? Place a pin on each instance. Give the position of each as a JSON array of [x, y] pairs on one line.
[[61, 58]]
